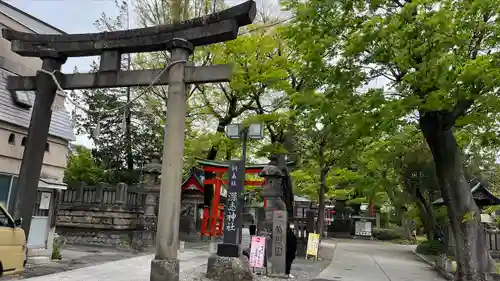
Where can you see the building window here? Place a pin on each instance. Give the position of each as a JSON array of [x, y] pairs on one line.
[[8, 191], [47, 147], [22, 98], [23, 142], [13, 195], [12, 139]]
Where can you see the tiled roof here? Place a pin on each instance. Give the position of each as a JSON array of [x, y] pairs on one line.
[[60, 125]]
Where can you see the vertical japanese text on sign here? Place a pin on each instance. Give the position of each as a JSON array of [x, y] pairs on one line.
[[232, 222]]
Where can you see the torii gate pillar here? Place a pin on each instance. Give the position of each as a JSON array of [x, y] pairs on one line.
[[165, 266]]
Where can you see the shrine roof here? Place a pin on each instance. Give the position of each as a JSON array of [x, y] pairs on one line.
[[195, 173], [480, 193]]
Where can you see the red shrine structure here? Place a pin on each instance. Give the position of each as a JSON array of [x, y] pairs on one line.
[[213, 215]]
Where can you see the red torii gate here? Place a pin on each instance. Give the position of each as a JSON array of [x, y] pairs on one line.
[[214, 215]]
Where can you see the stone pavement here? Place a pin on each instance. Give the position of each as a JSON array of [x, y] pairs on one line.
[[132, 269], [360, 260]]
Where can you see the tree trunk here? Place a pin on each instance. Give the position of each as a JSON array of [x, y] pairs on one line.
[[424, 209], [427, 215], [321, 196], [427, 221], [472, 256], [406, 225]]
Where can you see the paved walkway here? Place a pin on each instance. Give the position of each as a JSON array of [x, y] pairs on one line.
[[132, 269], [376, 261]]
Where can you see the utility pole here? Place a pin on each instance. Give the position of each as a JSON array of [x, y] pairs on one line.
[[128, 110]]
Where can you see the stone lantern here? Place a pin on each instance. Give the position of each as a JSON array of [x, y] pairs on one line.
[[274, 225], [145, 234], [152, 172]]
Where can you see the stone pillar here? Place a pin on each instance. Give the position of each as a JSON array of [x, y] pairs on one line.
[[79, 193], [121, 193], [233, 211], [99, 192], [229, 264], [144, 236], [165, 266], [38, 132], [275, 224]]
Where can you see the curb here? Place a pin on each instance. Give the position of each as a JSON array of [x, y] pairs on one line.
[[324, 274], [441, 272]]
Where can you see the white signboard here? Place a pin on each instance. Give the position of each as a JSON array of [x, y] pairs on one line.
[[45, 201], [363, 228], [257, 252]]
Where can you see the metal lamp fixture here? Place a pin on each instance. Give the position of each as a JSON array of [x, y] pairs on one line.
[[255, 131], [233, 131]]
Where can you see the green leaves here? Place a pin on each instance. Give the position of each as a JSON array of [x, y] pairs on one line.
[[82, 168]]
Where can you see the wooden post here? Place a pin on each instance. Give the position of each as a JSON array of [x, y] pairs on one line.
[[38, 132], [215, 205], [165, 266]]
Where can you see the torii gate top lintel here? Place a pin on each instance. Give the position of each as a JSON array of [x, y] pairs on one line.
[[214, 28]]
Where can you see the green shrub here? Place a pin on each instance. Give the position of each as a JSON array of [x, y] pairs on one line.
[[56, 254], [388, 234], [59, 242], [431, 248]]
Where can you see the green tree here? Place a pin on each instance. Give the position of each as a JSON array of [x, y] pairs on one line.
[[439, 59], [83, 168], [332, 125], [126, 137]]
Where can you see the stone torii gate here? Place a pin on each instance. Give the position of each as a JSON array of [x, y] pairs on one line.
[[180, 39]]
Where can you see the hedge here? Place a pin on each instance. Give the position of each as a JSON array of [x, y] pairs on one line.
[[431, 248], [387, 234]]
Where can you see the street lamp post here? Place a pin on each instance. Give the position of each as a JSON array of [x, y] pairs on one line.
[[239, 131], [233, 208]]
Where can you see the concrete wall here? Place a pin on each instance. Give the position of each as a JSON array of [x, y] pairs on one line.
[[55, 160]]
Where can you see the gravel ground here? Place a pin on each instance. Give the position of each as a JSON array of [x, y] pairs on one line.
[[302, 270]]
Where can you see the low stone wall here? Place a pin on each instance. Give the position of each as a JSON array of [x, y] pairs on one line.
[[96, 237], [104, 226], [113, 217], [493, 277], [100, 215]]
